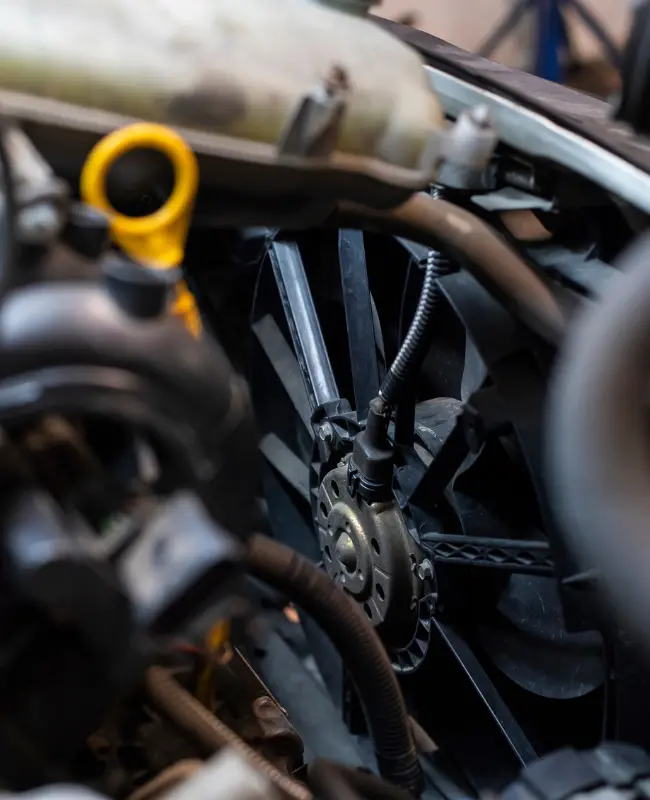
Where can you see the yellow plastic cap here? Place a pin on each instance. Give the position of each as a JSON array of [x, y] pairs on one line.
[[158, 239]]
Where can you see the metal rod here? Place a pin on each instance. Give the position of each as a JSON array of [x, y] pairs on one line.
[[286, 462], [591, 21], [360, 320], [303, 322], [505, 27], [507, 724]]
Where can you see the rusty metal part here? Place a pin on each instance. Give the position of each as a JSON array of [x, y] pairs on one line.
[[237, 683], [209, 731], [246, 705], [480, 249], [167, 780], [280, 743], [368, 550]]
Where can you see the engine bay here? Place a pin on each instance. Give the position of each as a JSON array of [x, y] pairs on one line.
[[323, 405]]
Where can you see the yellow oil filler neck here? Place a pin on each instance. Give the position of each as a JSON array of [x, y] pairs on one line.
[[157, 240]]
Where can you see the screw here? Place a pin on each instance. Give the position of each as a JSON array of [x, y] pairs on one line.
[[326, 432], [425, 570]]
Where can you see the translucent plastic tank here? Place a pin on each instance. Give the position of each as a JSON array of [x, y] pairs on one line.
[[234, 67]]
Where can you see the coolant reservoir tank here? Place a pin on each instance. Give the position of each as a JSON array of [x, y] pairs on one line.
[[237, 68]]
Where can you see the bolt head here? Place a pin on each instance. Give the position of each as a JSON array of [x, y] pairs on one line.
[[326, 432], [346, 552], [425, 570]]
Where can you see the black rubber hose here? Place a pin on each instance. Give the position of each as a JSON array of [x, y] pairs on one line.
[[598, 452], [475, 246], [359, 647], [413, 349]]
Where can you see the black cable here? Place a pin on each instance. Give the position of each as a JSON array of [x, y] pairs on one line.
[[416, 343], [8, 245], [359, 647], [476, 247]]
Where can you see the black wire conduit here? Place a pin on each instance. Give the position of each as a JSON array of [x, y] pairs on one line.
[[360, 649]]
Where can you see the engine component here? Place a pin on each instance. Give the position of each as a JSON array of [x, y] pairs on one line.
[[157, 240], [370, 470], [416, 342], [368, 550], [417, 508], [209, 731], [57, 359], [39, 195], [79, 607], [76, 637], [360, 649], [386, 139], [476, 247], [466, 157], [468, 150], [8, 225], [613, 770]]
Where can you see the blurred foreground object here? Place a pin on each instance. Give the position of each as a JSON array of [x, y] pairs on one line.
[[599, 462], [356, 116]]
